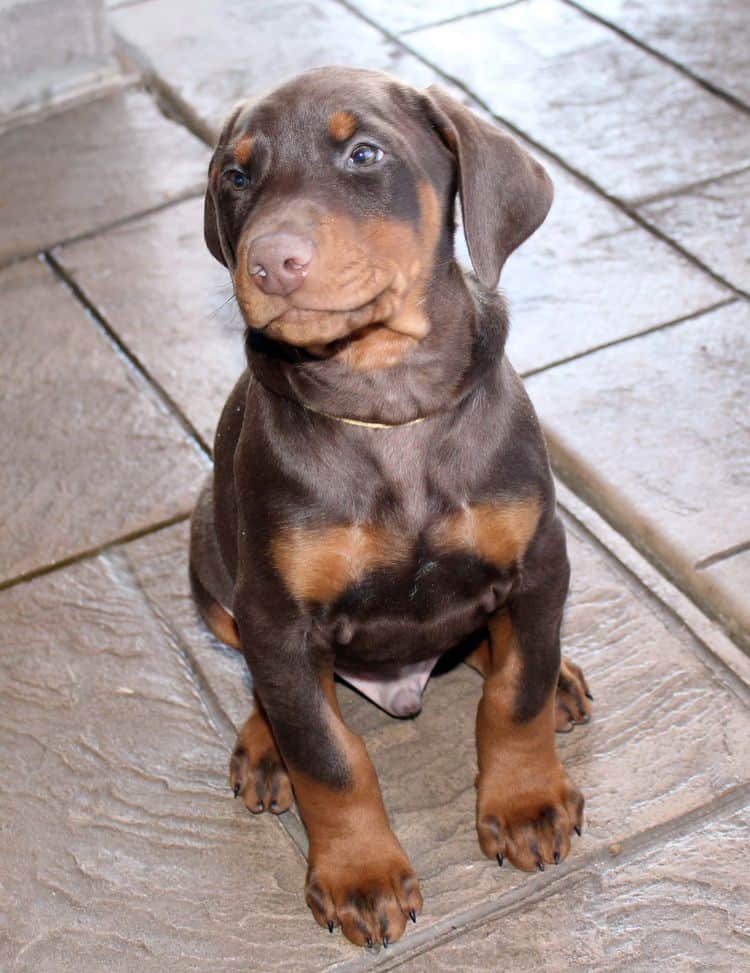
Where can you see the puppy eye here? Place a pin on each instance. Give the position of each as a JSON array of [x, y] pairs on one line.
[[364, 155], [237, 179]]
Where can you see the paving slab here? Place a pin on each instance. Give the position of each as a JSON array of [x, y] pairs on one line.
[[654, 432], [120, 846], [89, 453], [712, 42], [90, 166], [656, 748], [629, 122], [681, 906], [210, 56], [590, 275], [157, 285], [711, 221]]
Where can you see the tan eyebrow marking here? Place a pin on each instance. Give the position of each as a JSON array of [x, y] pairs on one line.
[[342, 125], [243, 150]]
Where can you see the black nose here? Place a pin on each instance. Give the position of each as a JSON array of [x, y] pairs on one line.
[[279, 262]]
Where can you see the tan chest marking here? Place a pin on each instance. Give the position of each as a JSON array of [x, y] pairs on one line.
[[496, 532], [318, 564]]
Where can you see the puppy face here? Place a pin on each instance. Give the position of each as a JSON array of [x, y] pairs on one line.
[[331, 203], [329, 198]]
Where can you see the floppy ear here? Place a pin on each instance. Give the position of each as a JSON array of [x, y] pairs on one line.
[[210, 221], [213, 231], [505, 194]]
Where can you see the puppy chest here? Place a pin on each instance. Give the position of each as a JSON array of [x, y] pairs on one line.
[[377, 568]]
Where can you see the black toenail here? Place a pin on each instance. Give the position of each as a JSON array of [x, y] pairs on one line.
[[589, 696], [236, 790], [556, 857], [540, 865], [577, 830], [500, 859], [330, 925], [412, 915]]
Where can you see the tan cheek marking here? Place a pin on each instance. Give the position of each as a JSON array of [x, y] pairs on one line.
[[319, 564], [497, 533], [243, 150], [342, 125]]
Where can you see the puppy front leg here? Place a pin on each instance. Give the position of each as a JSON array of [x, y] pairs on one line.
[[527, 806], [358, 874]]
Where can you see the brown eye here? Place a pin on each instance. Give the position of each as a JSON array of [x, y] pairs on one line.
[[364, 155], [238, 179]]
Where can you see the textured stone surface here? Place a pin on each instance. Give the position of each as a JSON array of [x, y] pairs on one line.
[[681, 906], [730, 581], [223, 52], [589, 276], [713, 222], [158, 286], [396, 16], [650, 754], [632, 124], [712, 41], [88, 453], [654, 432], [120, 845], [90, 166]]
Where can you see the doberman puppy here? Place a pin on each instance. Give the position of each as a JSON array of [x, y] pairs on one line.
[[381, 490]]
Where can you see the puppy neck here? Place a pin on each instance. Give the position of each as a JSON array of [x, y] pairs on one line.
[[466, 337]]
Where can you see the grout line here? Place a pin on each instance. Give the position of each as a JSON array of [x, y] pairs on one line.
[[464, 16], [92, 552], [689, 187], [175, 200], [724, 555], [169, 102], [104, 326], [698, 79], [549, 153], [590, 495], [522, 896], [669, 615], [630, 337]]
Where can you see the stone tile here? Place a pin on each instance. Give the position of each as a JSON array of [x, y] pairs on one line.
[[590, 275], [629, 122], [121, 848], [712, 41], [653, 433], [683, 906], [90, 166], [730, 581], [217, 54], [713, 222], [158, 286], [396, 16], [651, 752], [89, 453]]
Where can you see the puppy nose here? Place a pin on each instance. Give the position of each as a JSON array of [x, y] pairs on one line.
[[279, 262]]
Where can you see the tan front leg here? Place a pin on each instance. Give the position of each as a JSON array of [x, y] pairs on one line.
[[527, 806]]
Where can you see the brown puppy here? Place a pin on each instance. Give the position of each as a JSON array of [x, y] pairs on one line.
[[381, 491]]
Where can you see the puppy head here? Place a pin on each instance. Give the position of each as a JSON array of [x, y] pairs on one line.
[[331, 203]]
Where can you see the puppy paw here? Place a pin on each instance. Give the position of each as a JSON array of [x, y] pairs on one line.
[[256, 770], [369, 897], [530, 825], [572, 700]]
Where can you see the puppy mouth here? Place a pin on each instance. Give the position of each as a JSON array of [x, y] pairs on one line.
[[320, 328]]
